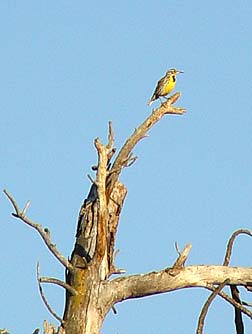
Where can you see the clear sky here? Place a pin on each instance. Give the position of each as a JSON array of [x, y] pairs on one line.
[[67, 68]]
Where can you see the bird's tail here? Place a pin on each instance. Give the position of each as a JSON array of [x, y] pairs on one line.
[[153, 98]]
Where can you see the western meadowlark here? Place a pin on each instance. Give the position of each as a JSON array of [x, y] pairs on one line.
[[165, 85]]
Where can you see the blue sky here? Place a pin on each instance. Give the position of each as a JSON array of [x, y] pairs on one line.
[[67, 68]]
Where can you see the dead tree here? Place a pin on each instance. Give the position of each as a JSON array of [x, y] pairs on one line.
[[90, 291]]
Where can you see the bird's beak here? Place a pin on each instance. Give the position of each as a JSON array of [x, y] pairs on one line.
[[178, 71]]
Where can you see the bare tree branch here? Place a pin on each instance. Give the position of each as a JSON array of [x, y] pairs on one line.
[[238, 314], [166, 280], [207, 305], [182, 257], [91, 179], [139, 133], [177, 248], [231, 242], [234, 290], [28, 203], [101, 175], [44, 233], [58, 282], [49, 308], [230, 300]]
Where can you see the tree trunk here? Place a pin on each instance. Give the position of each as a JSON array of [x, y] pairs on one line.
[[92, 258]]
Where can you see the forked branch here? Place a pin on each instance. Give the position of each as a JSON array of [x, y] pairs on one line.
[[138, 134], [44, 232], [49, 308]]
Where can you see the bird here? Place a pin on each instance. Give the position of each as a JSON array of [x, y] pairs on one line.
[[165, 85]]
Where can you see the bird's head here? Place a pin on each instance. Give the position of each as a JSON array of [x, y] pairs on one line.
[[173, 71]]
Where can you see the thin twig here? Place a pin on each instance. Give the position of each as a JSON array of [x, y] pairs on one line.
[[207, 305], [231, 242], [234, 290], [229, 299], [10, 197], [49, 308], [130, 161], [56, 281], [238, 315], [91, 179], [117, 271], [26, 208], [177, 248], [114, 309], [44, 233]]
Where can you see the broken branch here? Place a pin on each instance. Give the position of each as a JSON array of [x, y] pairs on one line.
[[56, 281], [179, 263], [49, 308]]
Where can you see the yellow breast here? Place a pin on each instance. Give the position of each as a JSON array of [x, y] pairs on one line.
[[169, 85]]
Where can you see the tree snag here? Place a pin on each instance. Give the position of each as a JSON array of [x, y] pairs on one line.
[[90, 293]]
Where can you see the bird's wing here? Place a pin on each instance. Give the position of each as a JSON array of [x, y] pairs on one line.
[[160, 87]]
